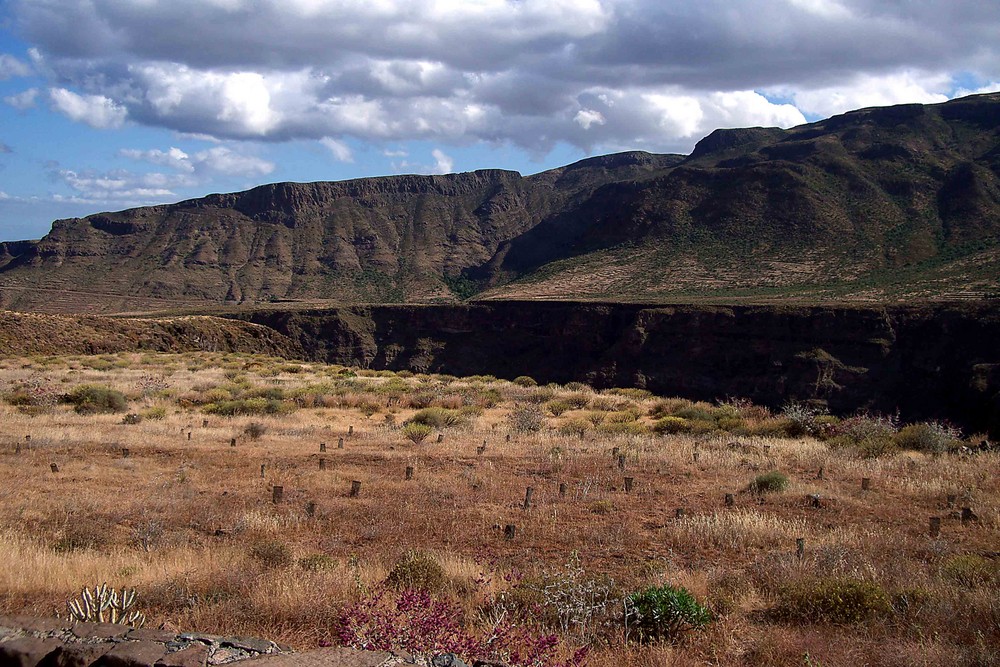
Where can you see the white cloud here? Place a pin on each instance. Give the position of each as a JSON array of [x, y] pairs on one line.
[[340, 151], [597, 74], [867, 90], [225, 161], [11, 67], [22, 101], [173, 157], [94, 110], [587, 117], [217, 160], [4, 195], [117, 187], [443, 164]]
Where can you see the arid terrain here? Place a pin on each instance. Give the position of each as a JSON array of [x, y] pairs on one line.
[[159, 472]]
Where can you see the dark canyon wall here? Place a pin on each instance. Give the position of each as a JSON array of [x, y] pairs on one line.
[[926, 362]]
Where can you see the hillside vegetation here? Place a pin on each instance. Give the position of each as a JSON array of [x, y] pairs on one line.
[[534, 525], [882, 204]]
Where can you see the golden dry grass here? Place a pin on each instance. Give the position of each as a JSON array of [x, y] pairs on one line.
[[188, 519]]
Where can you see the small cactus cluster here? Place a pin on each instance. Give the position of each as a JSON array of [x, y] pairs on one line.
[[106, 605]]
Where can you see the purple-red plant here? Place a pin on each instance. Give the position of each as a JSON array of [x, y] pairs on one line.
[[414, 621]]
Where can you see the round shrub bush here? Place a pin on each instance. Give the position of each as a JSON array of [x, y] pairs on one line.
[[416, 432], [832, 601], [664, 613], [94, 398], [769, 482]]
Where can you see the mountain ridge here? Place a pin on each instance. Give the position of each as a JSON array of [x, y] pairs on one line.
[[885, 203]]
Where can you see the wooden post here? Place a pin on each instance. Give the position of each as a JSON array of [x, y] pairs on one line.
[[204, 423], [355, 488], [189, 435], [480, 450], [311, 509], [322, 464], [615, 451], [629, 481], [730, 500], [322, 446], [951, 499], [54, 467], [409, 472], [968, 516], [935, 526], [340, 443], [277, 493], [562, 489], [527, 497], [440, 437], [767, 449], [679, 513], [866, 483], [509, 531], [800, 547], [125, 452], [508, 437], [262, 466], [695, 455], [819, 475], [621, 462], [232, 442], [350, 430]]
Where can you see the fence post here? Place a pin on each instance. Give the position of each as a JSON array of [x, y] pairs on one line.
[[355, 488], [409, 472], [277, 493], [527, 497]]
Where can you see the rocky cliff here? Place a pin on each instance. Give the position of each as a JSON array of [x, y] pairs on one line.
[[925, 362], [889, 204]]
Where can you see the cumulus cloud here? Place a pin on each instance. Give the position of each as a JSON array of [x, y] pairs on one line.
[[119, 187], [94, 110], [653, 74], [215, 160], [11, 67], [22, 101]]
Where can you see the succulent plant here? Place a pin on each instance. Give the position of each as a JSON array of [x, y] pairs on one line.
[[106, 605]]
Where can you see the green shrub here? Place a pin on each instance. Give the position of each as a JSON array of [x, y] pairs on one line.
[[437, 417], [131, 419], [155, 413], [557, 407], [623, 428], [702, 411], [525, 381], [271, 553], [931, 437], [769, 482], [663, 613], [832, 601], [417, 570], [671, 425], [93, 398], [971, 571], [576, 426], [631, 392], [417, 432], [249, 406], [622, 416]]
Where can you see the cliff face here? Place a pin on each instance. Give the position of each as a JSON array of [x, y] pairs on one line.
[[927, 362], [890, 204]]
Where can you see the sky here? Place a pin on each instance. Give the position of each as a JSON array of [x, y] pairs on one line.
[[111, 104]]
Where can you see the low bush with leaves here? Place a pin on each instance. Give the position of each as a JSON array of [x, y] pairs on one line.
[[770, 482], [832, 601], [663, 613], [416, 432], [932, 437], [418, 570], [671, 425], [436, 417], [271, 553], [93, 398]]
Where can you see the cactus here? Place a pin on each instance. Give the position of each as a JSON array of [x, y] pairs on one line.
[[106, 605]]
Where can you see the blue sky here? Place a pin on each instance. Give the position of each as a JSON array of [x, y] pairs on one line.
[[109, 104]]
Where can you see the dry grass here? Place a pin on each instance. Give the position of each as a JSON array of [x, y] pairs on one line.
[[188, 519]]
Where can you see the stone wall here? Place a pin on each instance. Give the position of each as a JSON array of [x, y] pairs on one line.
[[37, 642]]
